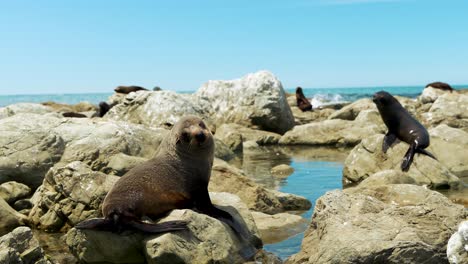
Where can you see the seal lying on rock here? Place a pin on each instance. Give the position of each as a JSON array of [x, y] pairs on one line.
[[129, 89], [302, 101], [176, 178], [403, 126], [441, 86]]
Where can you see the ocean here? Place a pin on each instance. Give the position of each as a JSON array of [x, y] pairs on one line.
[[319, 96]]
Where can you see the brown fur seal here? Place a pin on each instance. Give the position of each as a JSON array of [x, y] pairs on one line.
[[401, 125], [129, 89], [441, 86], [176, 178], [302, 101]]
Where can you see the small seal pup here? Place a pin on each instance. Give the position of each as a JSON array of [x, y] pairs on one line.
[[302, 101], [401, 125], [129, 89], [176, 178]]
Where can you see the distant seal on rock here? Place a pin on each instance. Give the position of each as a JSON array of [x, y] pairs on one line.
[[104, 108], [176, 178], [441, 86], [401, 125], [129, 89], [302, 101], [73, 114]]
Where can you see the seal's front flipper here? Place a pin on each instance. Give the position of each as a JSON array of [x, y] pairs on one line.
[[97, 223], [388, 141], [408, 158], [158, 228], [427, 153]]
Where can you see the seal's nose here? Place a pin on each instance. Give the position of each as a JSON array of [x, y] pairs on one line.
[[200, 137]]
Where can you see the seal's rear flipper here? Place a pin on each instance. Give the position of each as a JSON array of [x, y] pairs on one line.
[[97, 223], [158, 228], [408, 158], [427, 153]]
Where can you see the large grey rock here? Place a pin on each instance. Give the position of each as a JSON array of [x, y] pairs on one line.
[[457, 247], [450, 147], [27, 148], [13, 191], [207, 240], [20, 247], [335, 132], [257, 99], [155, 109], [430, 94], [367, 158], [395, 223], [32, 143], [450, 109], [10, 218], [21, 108], [70, 194]]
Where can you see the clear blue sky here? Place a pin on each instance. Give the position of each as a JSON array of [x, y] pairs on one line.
[[93, 46]]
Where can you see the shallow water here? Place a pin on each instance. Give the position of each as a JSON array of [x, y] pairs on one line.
[[316, 171]]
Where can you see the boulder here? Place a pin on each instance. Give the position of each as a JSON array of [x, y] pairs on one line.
[[21, 108], [396, 223], [13, 191], [155, 109], [28, 149], [430, 95], [351, 111], [70, 194], [367, 158], [10, 218], [226, 178], [278, 227], [335, 132], [457, 247], [449, 146], [20, 246], [223, 151], [450, 109], [31, 144], [229, 134], [206, 240], [121, 163], [260, 137], [257, 99]]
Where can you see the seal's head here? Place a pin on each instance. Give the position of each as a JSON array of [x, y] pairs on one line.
[[192, 135], [382, 99]]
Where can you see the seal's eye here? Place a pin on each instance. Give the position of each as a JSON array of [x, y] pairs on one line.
[[185, 137], [202, 125]]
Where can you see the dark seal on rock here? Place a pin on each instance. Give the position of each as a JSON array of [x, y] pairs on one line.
[[73, 114], [401, 125], [441, 86], [129, 89], [302, 101], [104, 108], [176, 178]]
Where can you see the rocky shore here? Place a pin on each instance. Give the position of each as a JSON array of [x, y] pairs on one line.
[[55, 172]]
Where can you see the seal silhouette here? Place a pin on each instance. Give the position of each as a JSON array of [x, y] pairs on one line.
[[401, 125], [129, 89], [302, 101], [176, 178]]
